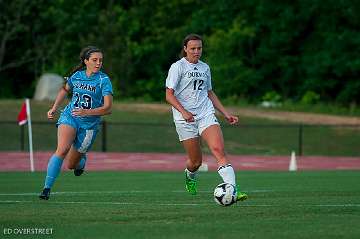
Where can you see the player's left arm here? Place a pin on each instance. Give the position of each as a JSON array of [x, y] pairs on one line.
[[232, 119], [105, 109]]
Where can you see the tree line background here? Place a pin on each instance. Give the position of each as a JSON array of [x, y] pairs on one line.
[[299, 50]]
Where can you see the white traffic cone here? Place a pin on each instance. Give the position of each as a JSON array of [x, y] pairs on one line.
[[293, 165], [203, 167]]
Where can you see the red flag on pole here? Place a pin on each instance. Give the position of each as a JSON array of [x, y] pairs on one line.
[[22, 116]]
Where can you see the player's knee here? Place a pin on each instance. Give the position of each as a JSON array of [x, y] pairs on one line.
[[61, 153], [217, 150]]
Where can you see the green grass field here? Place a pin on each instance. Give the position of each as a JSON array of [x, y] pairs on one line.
[[322, 204]]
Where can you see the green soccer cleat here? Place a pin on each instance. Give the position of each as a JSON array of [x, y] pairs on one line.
[[190, 184], [240, 196]]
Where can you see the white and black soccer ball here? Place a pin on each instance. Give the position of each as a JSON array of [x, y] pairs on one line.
[[225, 194]]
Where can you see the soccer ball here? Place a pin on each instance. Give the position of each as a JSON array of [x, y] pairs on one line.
[[225, 194]]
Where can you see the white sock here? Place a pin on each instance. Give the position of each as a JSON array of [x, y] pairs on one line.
[[190, 174], [227, 174]]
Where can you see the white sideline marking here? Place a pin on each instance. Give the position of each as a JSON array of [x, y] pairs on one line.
[[179, 204], [339, 205], [104, 203], [85, 192], [245, 191], [302, 205], [119, 192], [69, 193]]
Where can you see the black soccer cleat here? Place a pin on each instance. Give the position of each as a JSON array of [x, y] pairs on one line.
[[78, 172], [45, 194]]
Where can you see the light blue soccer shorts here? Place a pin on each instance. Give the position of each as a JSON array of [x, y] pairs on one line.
[[194, 129], [84, 138]]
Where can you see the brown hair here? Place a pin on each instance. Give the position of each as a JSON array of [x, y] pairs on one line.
[[188, 38], [84, 55]]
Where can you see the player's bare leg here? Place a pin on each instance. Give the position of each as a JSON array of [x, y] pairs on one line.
[[76, 160], [72, 158], [214, 138]]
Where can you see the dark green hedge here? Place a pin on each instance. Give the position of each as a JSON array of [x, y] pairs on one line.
[[292, 49]]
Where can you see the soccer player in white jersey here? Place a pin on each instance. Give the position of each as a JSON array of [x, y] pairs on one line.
[[189, 91], [78, 123]]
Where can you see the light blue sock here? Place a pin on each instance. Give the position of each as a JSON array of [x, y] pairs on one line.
[[81, 164], [53, 170]]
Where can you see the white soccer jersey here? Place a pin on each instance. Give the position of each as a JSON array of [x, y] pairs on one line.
[[191, 83]]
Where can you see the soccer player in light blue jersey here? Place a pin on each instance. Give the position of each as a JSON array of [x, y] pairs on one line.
[[189, 91], [78, 124]]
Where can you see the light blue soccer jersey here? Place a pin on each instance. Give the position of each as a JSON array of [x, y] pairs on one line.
[[88, 93]]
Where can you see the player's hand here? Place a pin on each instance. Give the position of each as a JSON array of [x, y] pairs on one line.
[[51, 113], [79, 112], [232, 119], [189, 117]]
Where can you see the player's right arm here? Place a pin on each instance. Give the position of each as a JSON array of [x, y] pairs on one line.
[[172, 80], [59, 99], [171, 99]]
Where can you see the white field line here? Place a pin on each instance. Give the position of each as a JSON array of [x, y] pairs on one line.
[[118, 192], [101, 203], [175, 204], [161, 204]]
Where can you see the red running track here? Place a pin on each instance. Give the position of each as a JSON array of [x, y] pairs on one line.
[[19, 161]]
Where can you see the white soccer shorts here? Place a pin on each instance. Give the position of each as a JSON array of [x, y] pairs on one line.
[[194, 129]]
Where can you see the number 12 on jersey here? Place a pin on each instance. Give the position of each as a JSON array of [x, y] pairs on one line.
[[198, 86]]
